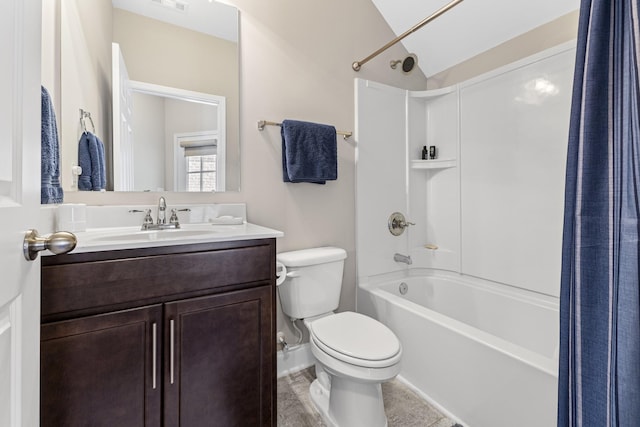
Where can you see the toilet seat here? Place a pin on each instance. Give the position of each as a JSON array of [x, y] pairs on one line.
[[356, 339]]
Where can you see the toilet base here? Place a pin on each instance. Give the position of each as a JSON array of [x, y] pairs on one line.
[[349, 403]]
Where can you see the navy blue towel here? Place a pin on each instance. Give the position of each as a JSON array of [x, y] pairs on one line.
[[91, 160], [309, 152], [50, 189]]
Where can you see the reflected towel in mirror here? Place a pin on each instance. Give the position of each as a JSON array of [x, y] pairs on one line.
[[91, 160]]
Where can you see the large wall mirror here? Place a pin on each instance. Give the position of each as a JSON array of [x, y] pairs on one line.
[[157, 82]]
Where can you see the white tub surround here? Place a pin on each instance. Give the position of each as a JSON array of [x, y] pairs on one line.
[[487, 210], [491, 204]]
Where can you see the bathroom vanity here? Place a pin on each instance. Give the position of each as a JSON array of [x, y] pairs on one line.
[[179, 334]]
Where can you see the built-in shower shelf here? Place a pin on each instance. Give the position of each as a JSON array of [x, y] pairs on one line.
[[434, 164]]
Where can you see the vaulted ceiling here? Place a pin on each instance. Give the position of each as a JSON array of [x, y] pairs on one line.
[[468, 29]]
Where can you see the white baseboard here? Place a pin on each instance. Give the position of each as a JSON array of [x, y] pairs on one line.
[[294, 360]]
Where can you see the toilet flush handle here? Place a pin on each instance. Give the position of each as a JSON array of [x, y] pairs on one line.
[[282, 273]]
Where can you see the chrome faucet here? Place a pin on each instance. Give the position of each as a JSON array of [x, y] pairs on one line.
[[402, 258], [161, 223], [162, 207]]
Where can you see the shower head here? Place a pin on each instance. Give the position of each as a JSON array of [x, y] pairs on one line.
[[407, 63]]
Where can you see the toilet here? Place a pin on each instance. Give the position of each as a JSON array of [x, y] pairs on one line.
[[354, 353]]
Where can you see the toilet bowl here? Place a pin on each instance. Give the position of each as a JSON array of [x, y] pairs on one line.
[[358, 353], [354, 353]]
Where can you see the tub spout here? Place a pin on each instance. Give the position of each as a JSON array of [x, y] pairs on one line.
[[402, 258]]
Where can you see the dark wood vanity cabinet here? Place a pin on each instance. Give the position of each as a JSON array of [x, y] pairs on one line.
[[193, 344]]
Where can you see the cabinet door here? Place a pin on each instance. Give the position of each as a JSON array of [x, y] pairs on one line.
[[99, 370], [219, 360]]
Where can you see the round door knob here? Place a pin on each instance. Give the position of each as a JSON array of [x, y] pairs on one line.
[[59, 242]]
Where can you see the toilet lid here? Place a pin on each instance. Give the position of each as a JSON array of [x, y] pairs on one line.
[[356, 336]]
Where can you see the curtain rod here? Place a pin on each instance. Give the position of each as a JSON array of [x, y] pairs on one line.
[[358, 64], [263, 123]]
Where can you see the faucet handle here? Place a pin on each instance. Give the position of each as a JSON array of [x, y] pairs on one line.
[[174, 218], [147, 217]]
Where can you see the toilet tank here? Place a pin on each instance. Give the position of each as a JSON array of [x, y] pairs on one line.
[[313, 283]]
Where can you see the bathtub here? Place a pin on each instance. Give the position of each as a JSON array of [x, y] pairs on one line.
[[484, 353]]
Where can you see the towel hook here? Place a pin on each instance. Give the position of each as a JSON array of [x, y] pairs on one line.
[[86, 115]]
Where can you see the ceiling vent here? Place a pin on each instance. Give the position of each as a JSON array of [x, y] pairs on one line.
[[177, 5]]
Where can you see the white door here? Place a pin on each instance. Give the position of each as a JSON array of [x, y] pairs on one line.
[[20, 22], [122, 117]]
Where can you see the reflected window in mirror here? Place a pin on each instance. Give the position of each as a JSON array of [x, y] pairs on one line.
[[201, 174], [199, 162]]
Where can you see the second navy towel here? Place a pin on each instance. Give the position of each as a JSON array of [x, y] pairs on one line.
[[309, 152]]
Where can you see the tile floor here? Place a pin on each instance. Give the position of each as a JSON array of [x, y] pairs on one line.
[[403, 407]]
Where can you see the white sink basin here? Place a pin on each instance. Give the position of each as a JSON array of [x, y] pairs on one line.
[[153, 235], [116, 238]]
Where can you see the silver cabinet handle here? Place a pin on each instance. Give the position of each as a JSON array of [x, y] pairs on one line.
[[59, 242], [171, 347], [154, 352]]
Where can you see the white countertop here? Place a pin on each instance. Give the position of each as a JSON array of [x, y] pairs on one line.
[[116, 238]]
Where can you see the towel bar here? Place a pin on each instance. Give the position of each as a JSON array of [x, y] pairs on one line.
[[263, 123]]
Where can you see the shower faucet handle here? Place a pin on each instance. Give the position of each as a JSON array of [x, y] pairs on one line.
[[397, 223]]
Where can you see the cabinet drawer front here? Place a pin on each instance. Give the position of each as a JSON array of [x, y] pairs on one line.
[[86, 285]]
